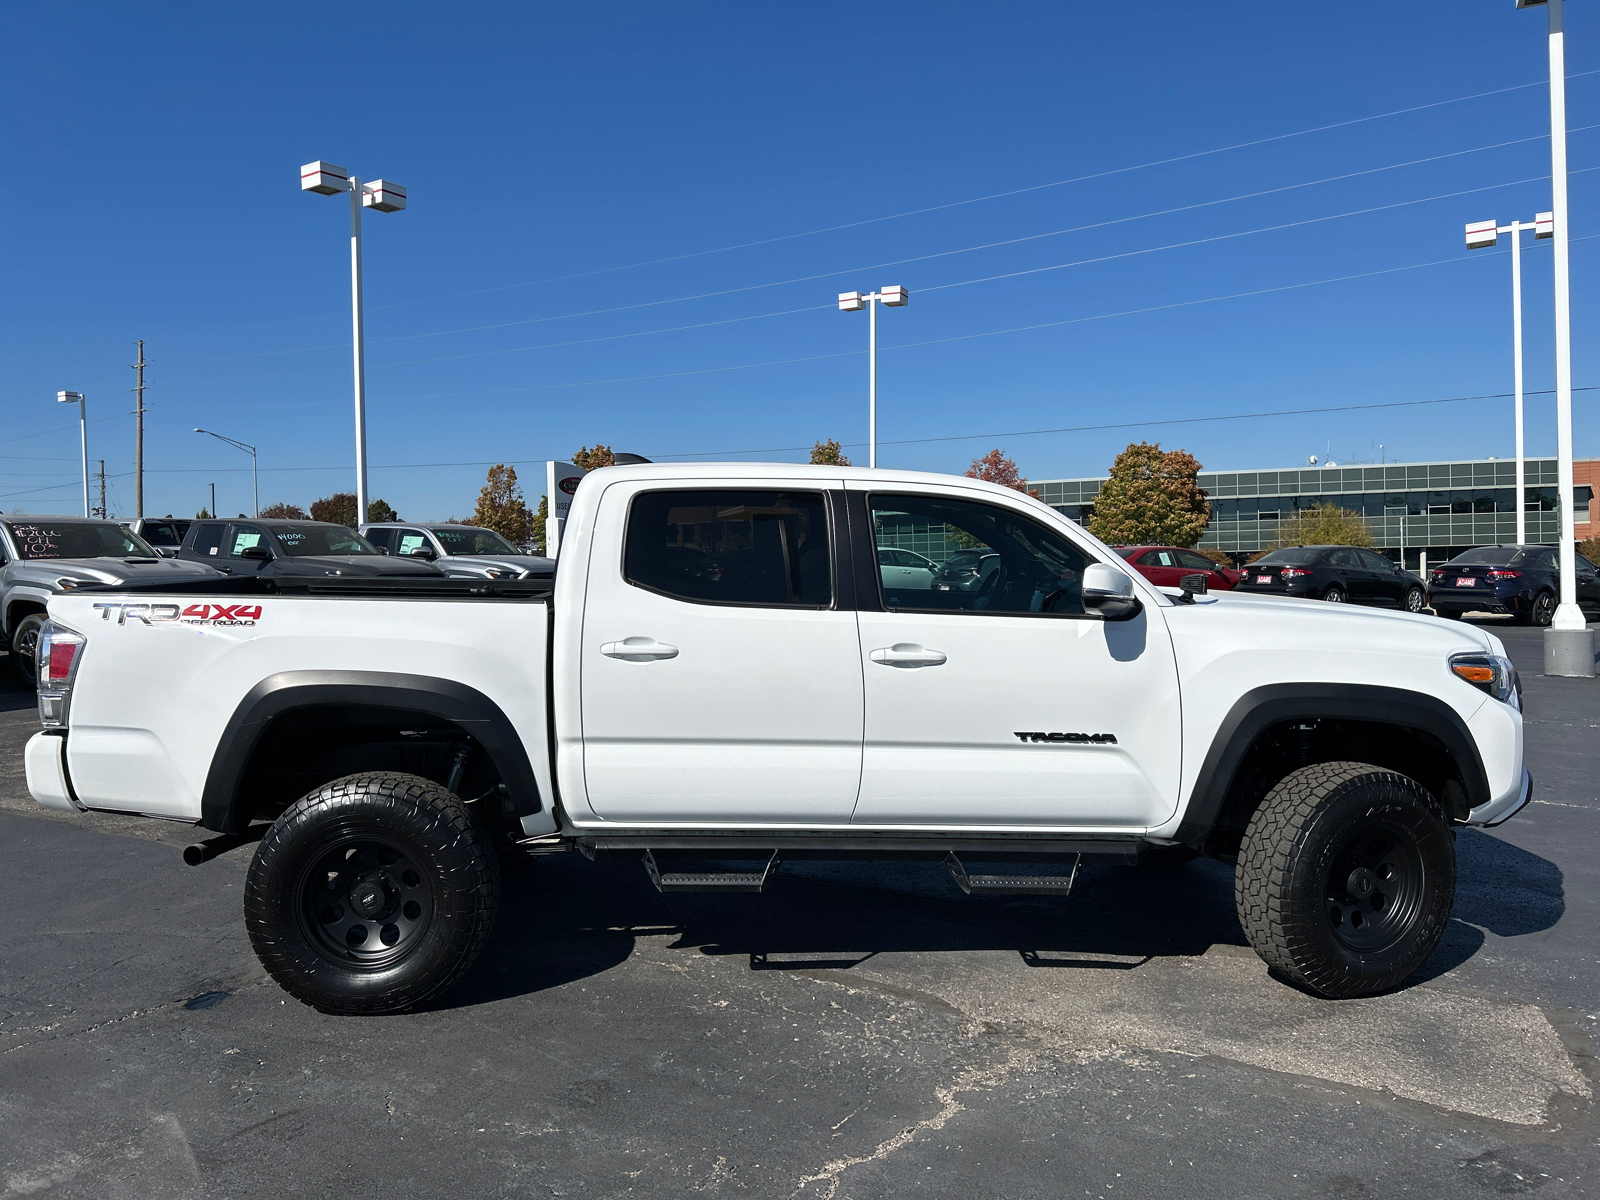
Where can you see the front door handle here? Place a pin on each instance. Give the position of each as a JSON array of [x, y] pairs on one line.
[[908, 654], [638, 649]]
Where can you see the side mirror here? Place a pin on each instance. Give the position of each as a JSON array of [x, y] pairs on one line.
[[423, 552], [260, 553], [1108, 593]]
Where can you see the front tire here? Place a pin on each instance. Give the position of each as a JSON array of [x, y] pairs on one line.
[[24, 644], [372, 894], [1415, 601], [1346, 877]]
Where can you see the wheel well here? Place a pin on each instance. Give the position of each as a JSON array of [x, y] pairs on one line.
[[300, 750], [18, 611], [1291, 744]]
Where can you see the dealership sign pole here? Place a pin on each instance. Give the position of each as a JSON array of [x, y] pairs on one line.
[[561, 480]]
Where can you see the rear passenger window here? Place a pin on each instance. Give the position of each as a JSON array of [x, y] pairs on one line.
[[717, 546], [208, 540]]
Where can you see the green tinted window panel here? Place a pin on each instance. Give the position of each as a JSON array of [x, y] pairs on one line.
[[1247, 483]]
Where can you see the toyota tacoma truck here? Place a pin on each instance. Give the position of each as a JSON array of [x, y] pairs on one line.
[[719, 680]]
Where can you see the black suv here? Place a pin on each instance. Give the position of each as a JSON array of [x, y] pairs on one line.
[[1524, 581], [293, 548], [1341, 574]]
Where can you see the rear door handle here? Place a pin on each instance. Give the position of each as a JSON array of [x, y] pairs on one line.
[[908, 654], [638, 649]]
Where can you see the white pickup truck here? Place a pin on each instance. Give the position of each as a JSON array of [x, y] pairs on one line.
[[721, 679]]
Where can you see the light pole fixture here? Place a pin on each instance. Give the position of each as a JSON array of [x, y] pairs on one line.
[[83, 437], [255, 478], [1568, 643], [1481, 234], [329, 180], [894, 297]]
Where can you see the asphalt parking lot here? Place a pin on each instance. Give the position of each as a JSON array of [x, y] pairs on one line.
[[849, 1033]]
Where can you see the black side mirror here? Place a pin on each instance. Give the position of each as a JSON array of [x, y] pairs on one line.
[[260, 553]]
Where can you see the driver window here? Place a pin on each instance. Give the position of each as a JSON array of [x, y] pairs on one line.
[[412, 539], [242, 538], [986, 558]]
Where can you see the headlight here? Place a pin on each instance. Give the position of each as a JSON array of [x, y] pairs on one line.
[[66, 584], [1491, 674]]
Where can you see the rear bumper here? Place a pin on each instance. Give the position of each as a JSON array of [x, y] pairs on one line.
[[46, 762], [1503, 808]]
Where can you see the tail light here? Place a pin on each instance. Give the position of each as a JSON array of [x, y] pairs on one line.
[[1497, 574], [58, 653], [1438, 576], [1294, 572]]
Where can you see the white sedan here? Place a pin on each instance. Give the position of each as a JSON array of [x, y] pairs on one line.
[[904, 569]]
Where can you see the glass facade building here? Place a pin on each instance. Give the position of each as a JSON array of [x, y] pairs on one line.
[[1437, 509]]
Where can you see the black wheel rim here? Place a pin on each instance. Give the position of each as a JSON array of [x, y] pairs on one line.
[[1541, 610], [365, 904], [27, 642], [1374, 889]]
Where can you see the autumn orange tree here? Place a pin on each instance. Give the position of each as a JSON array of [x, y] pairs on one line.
[[502, 508], [1153, 497], [995, 467], [829, 454]]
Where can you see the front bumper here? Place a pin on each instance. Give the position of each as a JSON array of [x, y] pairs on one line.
[[1497, 811], [46, 762]]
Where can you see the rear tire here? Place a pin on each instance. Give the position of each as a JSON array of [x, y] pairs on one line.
[[1540, 612], [1345, 879], [24, 642], [1335, 594], [372, 894]]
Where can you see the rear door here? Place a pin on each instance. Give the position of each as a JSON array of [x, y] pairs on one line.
[[1345, 566], [1008, 705], [720, 668]]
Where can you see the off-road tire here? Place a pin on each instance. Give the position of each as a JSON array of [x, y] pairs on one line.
[[1297, 889], [360, 861], [24, 642]]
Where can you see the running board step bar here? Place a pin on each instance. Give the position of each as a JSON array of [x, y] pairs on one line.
[[708, 881], [1012, 885]]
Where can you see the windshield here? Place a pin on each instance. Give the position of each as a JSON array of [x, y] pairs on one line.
[[469, 539], [76, 539], [1488, 556], [301, 540], [1297, 554]]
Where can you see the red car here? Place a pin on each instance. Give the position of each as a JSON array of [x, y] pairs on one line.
[[1167, 565]]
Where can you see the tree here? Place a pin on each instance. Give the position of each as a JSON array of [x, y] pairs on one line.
[[502, 508], [202, 515], [284, 512], [829, 454], [536, 527], [339, 508], [1590, 548], [995, 467], [588, 460], [1153, 497], [1323, 525]]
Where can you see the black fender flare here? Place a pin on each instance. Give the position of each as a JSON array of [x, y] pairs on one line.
[[288, 691], [1262, 707]]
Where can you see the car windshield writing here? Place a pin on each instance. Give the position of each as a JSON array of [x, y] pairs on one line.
[[301, 540], [65, 539], [1298, 554], [466, 539]]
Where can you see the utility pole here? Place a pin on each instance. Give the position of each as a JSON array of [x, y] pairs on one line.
[[138, 442], [213, 509], [102, 509]]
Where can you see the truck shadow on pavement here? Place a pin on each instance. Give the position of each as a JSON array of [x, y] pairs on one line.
[[564, 918], [15, 695]]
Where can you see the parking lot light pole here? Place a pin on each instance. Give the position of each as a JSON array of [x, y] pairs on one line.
[[1479, 235], [894, 297], [255, 478], [83, 437], [1568, 643], [329, 180]]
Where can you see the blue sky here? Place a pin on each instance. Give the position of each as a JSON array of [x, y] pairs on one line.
[[611, 235]]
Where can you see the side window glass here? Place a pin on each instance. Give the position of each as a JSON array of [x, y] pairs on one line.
[[383, 539], [208, 540], [242, 538], [731, 546], [410, 539], [158, 533], [1342, 558], [1584, 565], [987, 559], [1151, 558], [1191, 561]]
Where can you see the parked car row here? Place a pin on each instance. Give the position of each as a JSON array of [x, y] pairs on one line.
[[1522, 581]]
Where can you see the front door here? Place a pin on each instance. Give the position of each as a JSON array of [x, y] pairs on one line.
[[1388, 586], [721, 680], [1008, 705]]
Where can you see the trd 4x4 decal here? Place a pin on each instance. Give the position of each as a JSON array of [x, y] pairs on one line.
[[194, 614]]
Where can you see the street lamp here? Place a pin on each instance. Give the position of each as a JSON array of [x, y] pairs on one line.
[[83, 437], [329, 180], [1569, 642], [894, 297], [255, 478], [1479, 235]]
